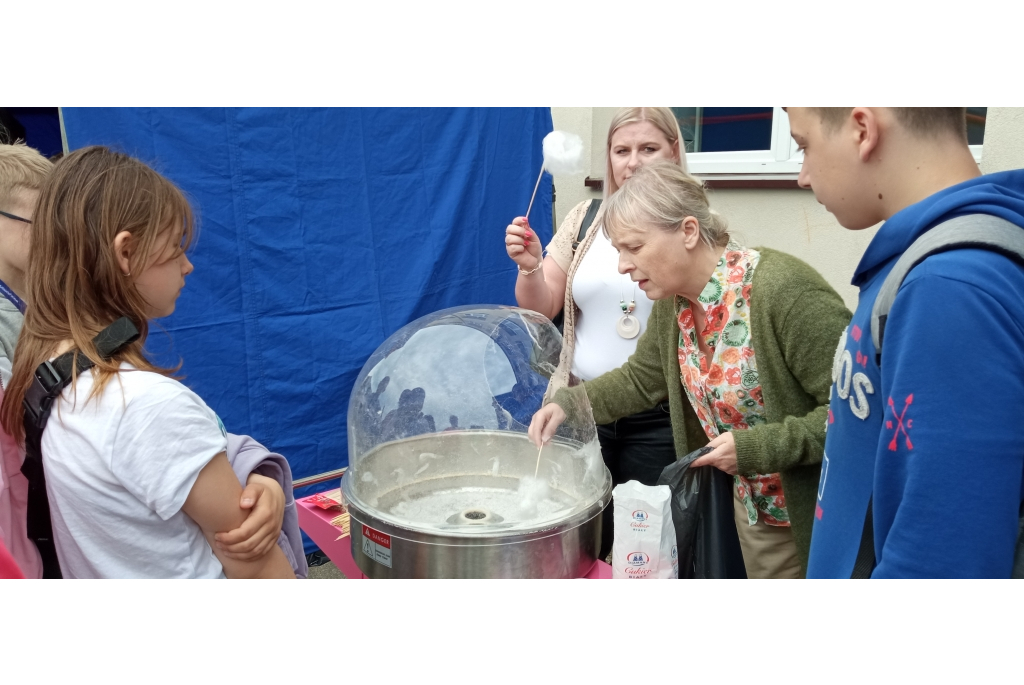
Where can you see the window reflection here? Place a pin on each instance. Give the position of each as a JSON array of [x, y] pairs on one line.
[[725, 129], [976, 125]]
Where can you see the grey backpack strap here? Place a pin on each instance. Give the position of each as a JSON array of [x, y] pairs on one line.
[[979, 231]]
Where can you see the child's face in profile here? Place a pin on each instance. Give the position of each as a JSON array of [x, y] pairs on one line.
[[15, 236], [833, 169], [163, 278]]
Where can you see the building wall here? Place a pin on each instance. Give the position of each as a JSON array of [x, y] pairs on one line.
[[569, 190], [789, 220]]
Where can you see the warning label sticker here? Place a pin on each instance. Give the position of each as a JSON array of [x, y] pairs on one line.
[[377, 546]]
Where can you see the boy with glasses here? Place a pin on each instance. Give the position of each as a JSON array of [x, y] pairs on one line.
[[22, 171]]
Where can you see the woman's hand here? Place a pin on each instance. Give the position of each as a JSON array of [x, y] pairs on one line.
[[523, 245], [259, 532], [545, 423], [722, 457]]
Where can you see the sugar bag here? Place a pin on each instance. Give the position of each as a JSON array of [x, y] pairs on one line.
[[644, 545]]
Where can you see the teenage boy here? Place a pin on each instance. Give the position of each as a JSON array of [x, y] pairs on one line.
[[924, 455]]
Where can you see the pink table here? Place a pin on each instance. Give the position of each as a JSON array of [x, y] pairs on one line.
[[316, 522]]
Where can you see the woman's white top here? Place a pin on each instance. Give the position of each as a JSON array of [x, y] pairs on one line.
[[597, 289], [118, 470]]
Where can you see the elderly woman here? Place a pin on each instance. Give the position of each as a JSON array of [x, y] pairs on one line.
[[604, 311], [744, 338]]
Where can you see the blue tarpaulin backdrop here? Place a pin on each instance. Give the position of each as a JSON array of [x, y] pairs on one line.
[[323, 231]]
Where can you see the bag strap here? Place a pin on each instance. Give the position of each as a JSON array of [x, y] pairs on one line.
[[48, 382], [588, 219], [971, 231], [865, 562]]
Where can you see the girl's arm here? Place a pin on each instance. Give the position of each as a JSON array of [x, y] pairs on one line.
[[265, 501], [213, 503]]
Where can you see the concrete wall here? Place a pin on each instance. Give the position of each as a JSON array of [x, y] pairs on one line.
[[1004, 140], [569, 190], [789, 220]]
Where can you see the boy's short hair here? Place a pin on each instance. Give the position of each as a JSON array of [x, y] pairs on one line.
[[923, 121], [21, 167]]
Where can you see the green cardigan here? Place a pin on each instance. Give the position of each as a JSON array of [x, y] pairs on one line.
[[796, 322]]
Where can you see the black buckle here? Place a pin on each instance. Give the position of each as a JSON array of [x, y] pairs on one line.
[[41, 375], [46, 384]]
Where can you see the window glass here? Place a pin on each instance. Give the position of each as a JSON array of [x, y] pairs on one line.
[[725, 129], [976, 125]]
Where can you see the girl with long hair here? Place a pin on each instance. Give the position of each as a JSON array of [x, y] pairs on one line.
[[136, 473]]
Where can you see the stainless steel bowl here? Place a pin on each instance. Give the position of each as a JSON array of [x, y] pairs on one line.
[[466, 504]]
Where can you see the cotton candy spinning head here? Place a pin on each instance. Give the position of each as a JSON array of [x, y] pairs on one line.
[[563, 156]]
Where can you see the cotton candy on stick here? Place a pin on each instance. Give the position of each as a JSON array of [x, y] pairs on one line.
[[563, 155]]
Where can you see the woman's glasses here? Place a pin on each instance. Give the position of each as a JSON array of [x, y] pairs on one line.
[[15, 217]]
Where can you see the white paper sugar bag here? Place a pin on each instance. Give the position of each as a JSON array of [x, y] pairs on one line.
[[645, 539]]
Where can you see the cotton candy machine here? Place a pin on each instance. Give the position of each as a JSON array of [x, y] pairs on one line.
[[443, 481]]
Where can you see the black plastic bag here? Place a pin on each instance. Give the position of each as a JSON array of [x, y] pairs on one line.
[[702, 511]]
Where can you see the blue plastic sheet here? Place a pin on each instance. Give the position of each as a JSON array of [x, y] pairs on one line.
[[323, 231]]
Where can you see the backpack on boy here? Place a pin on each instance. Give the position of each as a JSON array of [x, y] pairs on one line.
[[971, 231]]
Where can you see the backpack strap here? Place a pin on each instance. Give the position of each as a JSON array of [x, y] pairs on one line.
[[48, 383], [971, 231], [588, 219]]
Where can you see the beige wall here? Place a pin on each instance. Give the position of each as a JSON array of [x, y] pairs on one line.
[[789, 220], [569, 190]]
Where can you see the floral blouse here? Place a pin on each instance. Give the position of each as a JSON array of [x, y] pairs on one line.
[[726, 393]]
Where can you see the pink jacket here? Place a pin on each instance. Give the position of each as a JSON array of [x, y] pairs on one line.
[[14, 508]]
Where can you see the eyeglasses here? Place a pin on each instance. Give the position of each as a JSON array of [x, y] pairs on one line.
[[15, 217]]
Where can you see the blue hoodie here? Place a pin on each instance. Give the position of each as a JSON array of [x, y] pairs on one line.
[[935, 438]]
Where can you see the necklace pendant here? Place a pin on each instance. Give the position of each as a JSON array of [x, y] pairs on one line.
[[628, 326]]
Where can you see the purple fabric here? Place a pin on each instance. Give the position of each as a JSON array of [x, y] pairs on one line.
[[248, 456]]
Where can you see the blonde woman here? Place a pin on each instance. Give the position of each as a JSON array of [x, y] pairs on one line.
[[604, 311], [741, 340]]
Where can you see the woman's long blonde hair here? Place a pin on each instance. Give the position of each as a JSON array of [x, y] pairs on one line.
[[74, 284], [662, 117]]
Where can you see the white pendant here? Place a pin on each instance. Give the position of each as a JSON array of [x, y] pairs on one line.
[[628, 326]]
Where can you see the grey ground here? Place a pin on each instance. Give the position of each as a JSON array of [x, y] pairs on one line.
[[327, 570]]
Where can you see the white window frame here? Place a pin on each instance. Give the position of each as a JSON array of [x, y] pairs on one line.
[[781, 162]]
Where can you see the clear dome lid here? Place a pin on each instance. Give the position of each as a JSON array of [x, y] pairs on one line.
[[462, 369], [438, 422]]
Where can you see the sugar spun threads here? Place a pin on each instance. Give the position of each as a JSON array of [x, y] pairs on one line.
[[563, 156]]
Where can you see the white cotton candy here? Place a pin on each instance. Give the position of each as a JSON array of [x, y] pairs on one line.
[[563, 153]]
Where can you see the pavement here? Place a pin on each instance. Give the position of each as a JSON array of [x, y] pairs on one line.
[[324, 571]]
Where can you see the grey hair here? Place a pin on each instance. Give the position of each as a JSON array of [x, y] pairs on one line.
[[661, 194]]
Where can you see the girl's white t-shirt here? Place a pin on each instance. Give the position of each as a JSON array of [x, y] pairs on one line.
[[596, 288], [118, 470]]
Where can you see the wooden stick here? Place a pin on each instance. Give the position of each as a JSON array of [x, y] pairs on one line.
[[537, 469], [535, 186]]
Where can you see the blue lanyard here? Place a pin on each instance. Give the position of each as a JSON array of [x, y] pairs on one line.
[[6, 291]]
